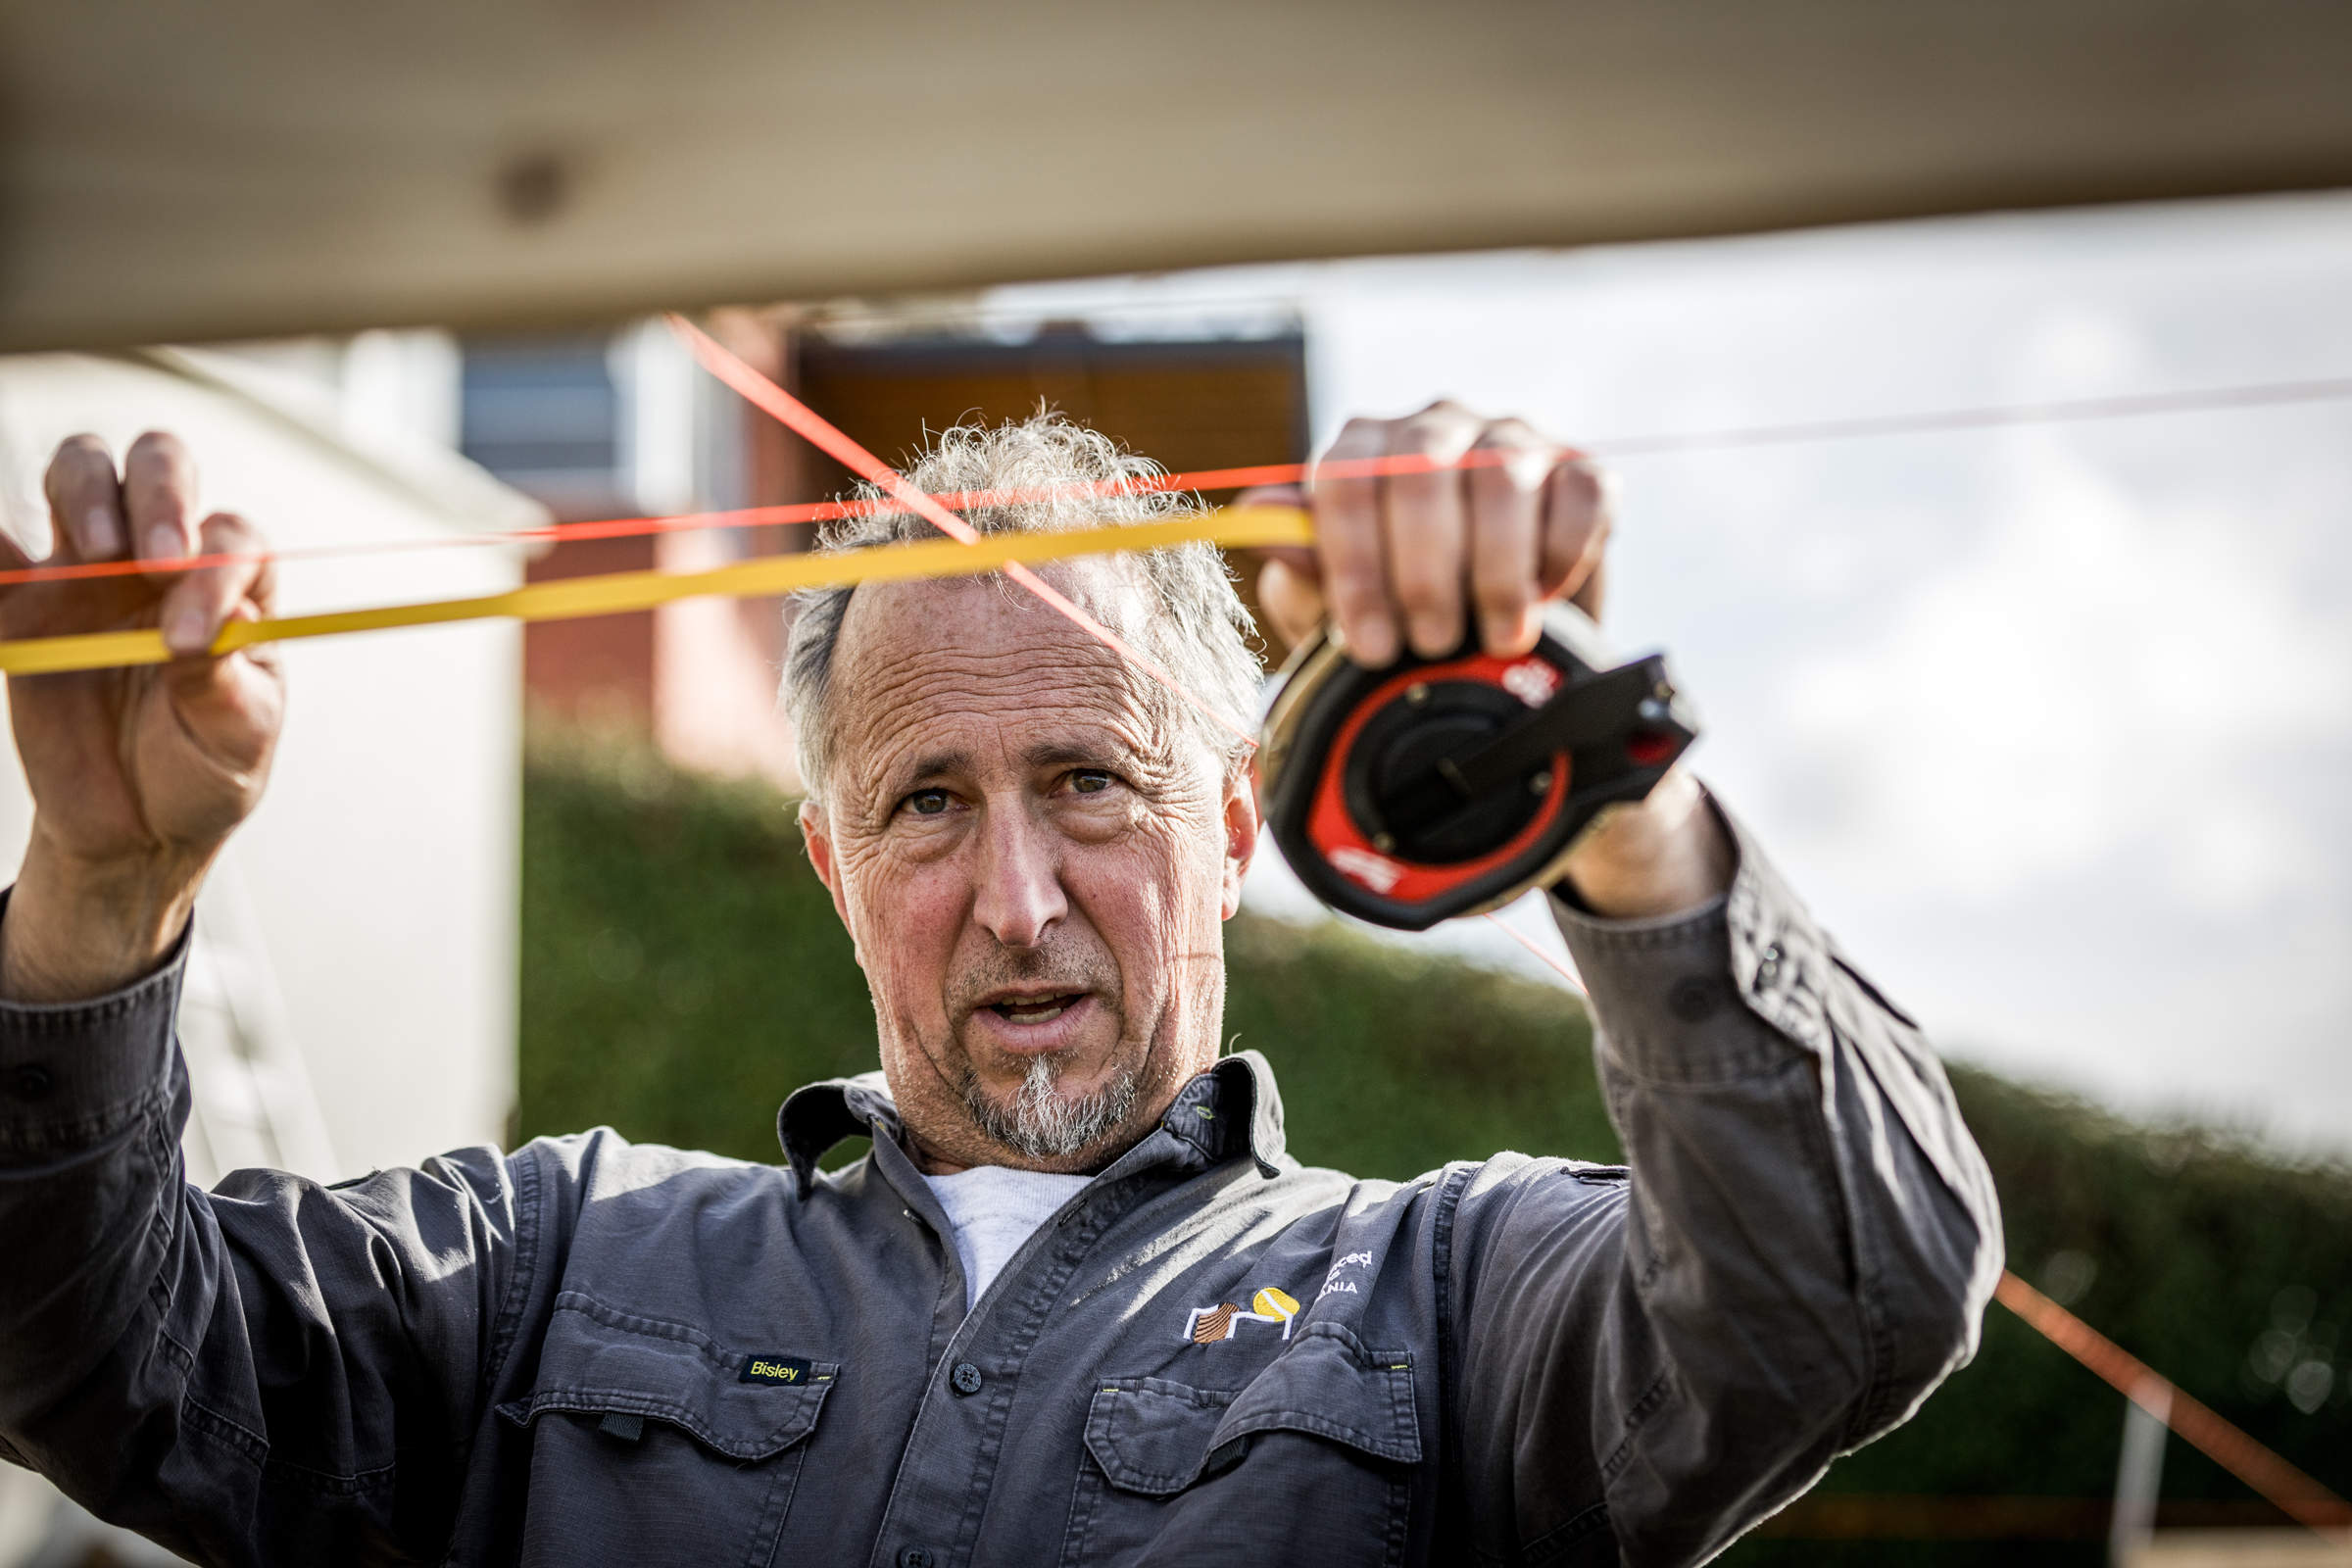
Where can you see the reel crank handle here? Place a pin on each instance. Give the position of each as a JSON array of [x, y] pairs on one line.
[[1632, 705]]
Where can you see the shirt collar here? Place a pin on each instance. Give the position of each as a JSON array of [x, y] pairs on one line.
[[1228, 1111], [1231, 1111], [818, 1115]]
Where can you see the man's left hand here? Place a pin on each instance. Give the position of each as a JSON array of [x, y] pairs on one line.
[[1409, 561]]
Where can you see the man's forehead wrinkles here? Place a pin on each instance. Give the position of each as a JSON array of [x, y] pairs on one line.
[[932, 670], [952, 686], [874, 688], [925, 717], [1064, 750], [969, 744], [959, 672], [905, 740], [891, 661], [932, 763], [989, 618]]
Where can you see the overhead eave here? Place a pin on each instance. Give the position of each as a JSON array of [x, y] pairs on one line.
[[259, 167]]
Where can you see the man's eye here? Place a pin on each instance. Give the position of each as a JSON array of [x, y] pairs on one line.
[[926, 803], [1090, 781]]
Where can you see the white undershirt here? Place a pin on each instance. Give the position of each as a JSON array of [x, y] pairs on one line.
[[992, 1211]]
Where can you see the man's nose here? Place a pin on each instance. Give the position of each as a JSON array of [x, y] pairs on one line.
[[1018, 898]]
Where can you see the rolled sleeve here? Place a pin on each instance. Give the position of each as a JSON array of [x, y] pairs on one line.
[[1728, 989], [1809, 1237], [173, 1358]]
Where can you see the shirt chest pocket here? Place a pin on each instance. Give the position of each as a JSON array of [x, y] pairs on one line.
[[1312, 1462], [650, 1445]]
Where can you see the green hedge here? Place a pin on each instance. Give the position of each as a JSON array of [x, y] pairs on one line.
[[682, 971]]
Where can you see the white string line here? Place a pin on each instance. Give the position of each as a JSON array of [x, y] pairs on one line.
[[2264, 394]]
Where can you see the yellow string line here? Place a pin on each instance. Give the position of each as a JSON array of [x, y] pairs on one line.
[[612, 593]]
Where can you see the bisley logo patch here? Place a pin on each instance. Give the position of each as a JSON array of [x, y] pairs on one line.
[[777, 1369], [1206, 1325]]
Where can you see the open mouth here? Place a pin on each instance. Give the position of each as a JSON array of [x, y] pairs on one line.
[[1031, 1011]]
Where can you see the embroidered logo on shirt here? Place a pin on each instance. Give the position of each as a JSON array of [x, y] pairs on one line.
[[1334, 1285], [776, 1369], [1206, 1325]]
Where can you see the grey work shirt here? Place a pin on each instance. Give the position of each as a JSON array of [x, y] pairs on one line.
[[589, 1351]]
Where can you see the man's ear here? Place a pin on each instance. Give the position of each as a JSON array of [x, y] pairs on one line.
[[1241, 835], [820, 855]]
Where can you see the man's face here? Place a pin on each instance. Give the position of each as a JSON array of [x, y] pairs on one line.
[[1034, 863]]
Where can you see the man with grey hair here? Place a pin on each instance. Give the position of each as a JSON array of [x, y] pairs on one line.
[[1177, 606], [1077, 1304]]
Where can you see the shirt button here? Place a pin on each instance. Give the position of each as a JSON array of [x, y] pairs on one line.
[[1767, 967], [32, 1081], [966, 1379], [916, 1558]]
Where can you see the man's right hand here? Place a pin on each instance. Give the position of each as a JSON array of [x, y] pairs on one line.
[[137, 774]]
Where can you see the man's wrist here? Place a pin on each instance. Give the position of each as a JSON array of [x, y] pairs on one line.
[[77, 928], [1661, 855]]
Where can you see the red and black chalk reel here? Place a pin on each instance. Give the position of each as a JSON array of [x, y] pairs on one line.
[[1443, 787]]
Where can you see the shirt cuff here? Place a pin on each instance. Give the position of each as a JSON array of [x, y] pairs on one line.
[[75, 1073], [1727, 989]]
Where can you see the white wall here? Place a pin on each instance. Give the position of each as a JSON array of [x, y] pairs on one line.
[[381, 871]]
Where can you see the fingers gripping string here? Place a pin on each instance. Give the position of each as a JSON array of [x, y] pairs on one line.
[[805, 422]]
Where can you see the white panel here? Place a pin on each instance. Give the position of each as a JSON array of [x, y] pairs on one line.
[[380, 869]]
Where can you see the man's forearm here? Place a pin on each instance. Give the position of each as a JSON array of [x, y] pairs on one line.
[[1657, 857], [77, 929], [1812, 1232]]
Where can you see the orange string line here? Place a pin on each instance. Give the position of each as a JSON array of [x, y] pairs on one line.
[[811, 427], [2258, 395], [1576, 982], [782, 516], [2296, 1495]]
